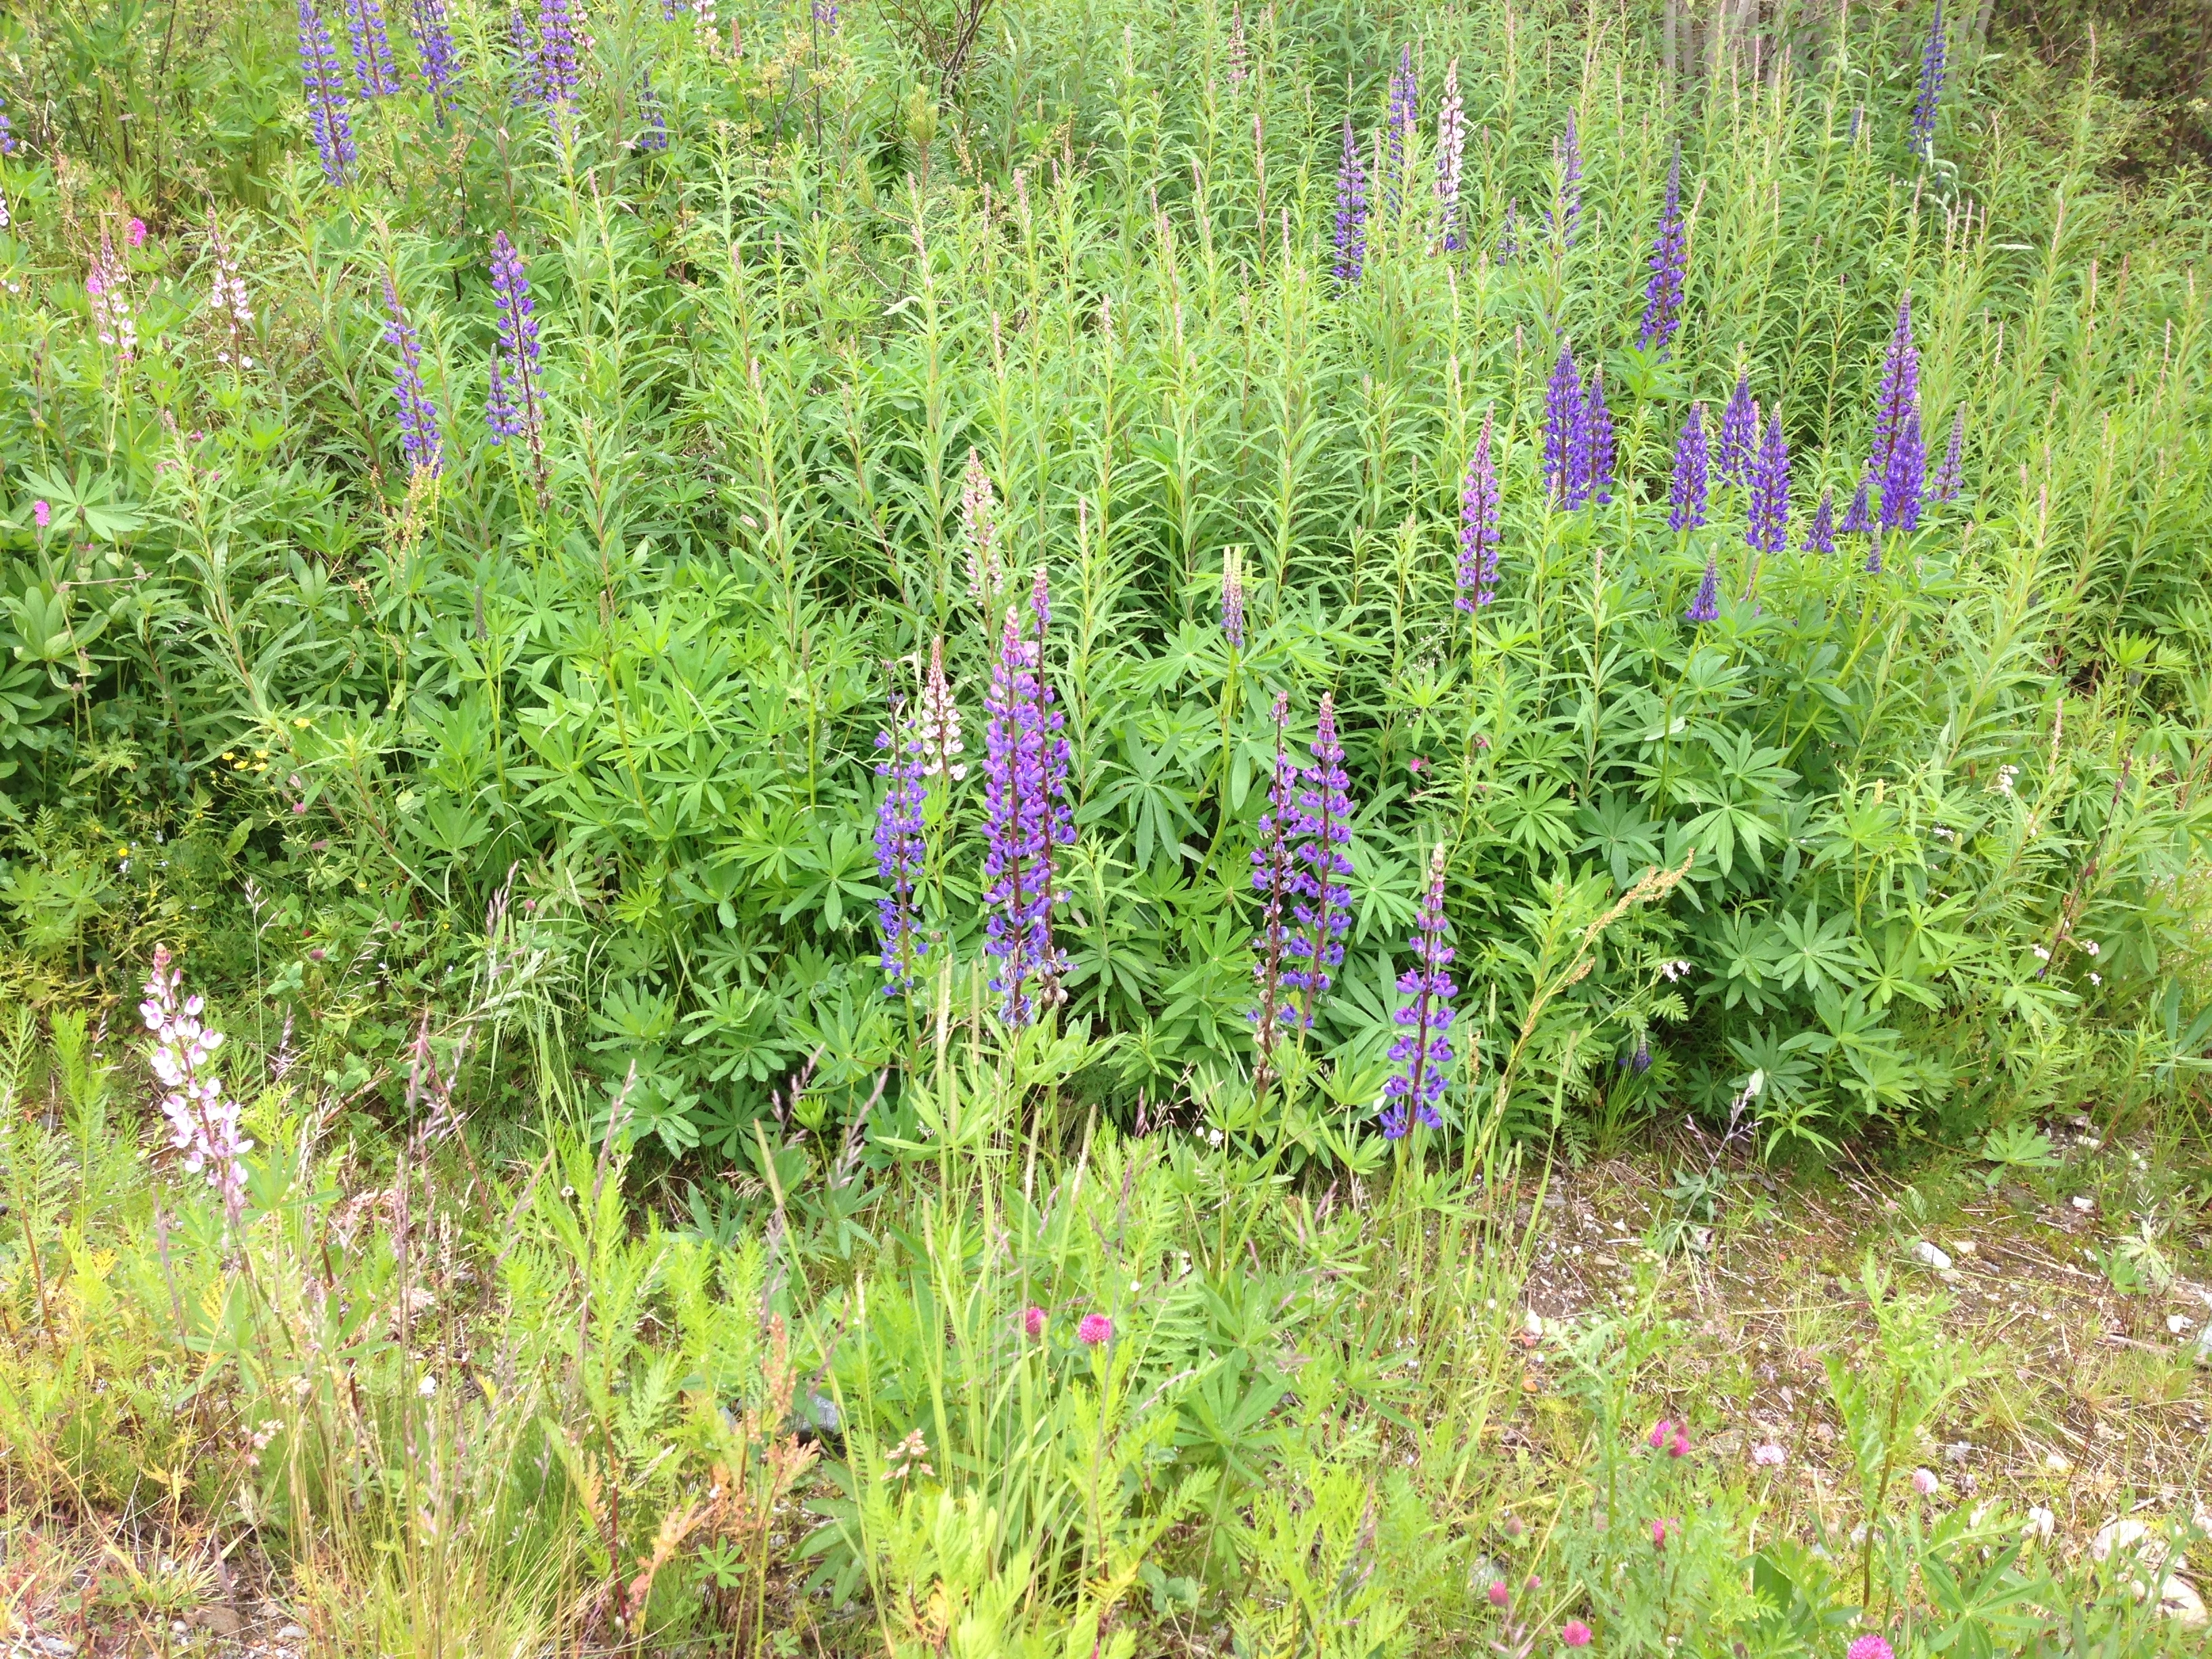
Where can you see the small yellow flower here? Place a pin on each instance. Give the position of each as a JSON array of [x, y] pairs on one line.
[[301, 720]]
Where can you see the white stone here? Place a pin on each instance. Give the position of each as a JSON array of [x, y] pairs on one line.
[[1931, 1256], [2178, 1601]]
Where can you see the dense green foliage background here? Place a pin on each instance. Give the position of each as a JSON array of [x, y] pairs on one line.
[[311, 722]]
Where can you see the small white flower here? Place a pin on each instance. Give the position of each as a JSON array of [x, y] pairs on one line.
[[2090, 945], [2096, 979], [2040, 1523], [427, 1386], [2042, 955]]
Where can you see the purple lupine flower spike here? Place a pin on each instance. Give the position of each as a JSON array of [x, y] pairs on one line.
[[1324, 826], [899, 848], [1767, 530], [655, 136], [1857, 522], [1686, 491], [1274, 878], [1706, 606], [1025, 795], [1931, 83], [1951, 477], [1899, 463], [1476, 577], [8, 130], [372, 48], [1405, 110], [1569, 154], [1564, 437], [419, 438], [1422, 1049], [1597, 441], [1351, 211], [1508, 243], [324, 84], [559, 72], [1739, 432], [1821, 534], [1662, 296], [516, 406], [825, 14], [433, 51], [1451, 155]]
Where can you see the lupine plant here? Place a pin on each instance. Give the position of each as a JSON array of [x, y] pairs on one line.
[[634, 641]]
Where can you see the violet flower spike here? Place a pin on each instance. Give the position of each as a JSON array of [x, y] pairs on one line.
[[203, 1117], [1405, 110], [1767, 529], [1686, 491], [1821, 534], [1273, 874], [419, 438], [7, 134], [899, 848], [1739, 432], [516, 406], [1508, 243], [1026, 806], [1451, 152], [1476, 575], [1240, 57], [1951, 476], [1351, 211], [1323, 827], [654, 138], [1568, 153], [1900, 463], [1597, 439], [372, 48], [1565, 432], [324, 84], [825, 14], [1856, 520], [1662, 296], [1706, 606], [1423, 1050], [559, 72], [433, 51], [1931, 84]]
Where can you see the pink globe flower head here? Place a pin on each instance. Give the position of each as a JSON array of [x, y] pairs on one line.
[[1033, 1322], [1680, 1445], [1575, 1633], [1924, 1482], [1499, 1595], [1869, 1647], [1769, 1456], [137, 233], [1094, 1329], [1662, 1530], [42, 513], [1662, 1433]]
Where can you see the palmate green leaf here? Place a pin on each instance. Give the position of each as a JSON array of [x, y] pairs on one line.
[[1616, 828], [833, 874], [1819, 956], [1138, 787]]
